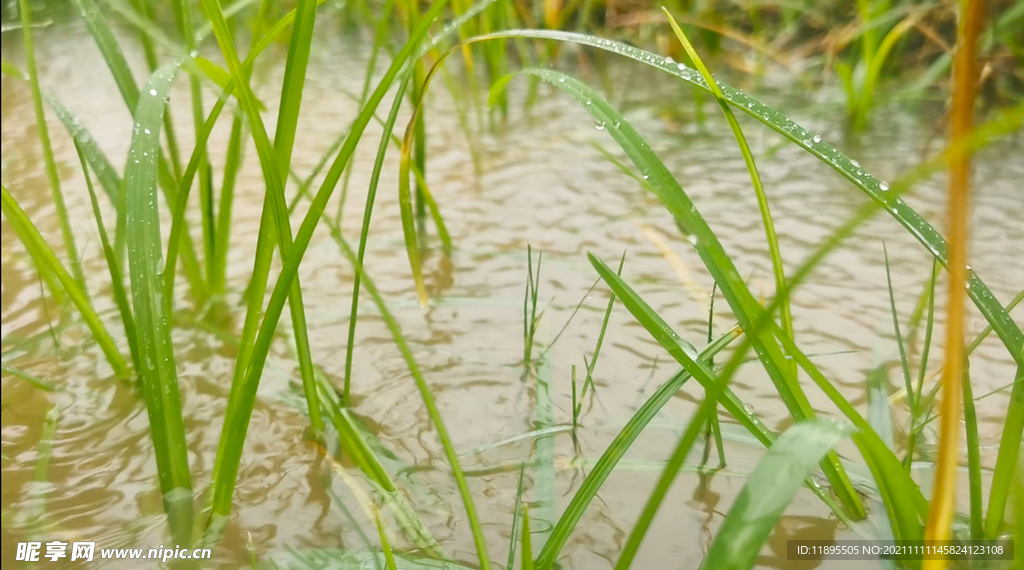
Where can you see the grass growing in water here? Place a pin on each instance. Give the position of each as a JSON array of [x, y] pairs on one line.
[[149, 323]]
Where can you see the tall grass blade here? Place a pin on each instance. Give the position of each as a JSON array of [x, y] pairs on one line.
[[25, 9], [237, 418], [768, 490], [48, 263], [153, 325], [113, 266], [904, 364], [755, 178]]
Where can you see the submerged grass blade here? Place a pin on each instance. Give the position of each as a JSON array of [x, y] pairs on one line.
[[153, 325], [48, 263], [768, 490]]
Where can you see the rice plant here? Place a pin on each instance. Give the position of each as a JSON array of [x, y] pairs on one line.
[[147, 250]]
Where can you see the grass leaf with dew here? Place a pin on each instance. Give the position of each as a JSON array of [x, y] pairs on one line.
[[114, 57], [768, 490], [771, 238], [153, 325], [48, 263]]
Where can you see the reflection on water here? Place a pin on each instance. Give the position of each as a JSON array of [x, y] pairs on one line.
[[541, 182]]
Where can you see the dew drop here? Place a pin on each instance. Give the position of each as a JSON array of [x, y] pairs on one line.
[[561, 80], [153, 92], [817, 138], [599, 125], [855, 163], [884, 186], [692, 238], [146, 131]]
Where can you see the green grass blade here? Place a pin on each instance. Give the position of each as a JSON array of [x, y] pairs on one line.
[[30, 378], [145, 260], [45, 259], [183, 15], [364, 231], [973, 444], [526, 559], [114, 267], [748, 158], [768, 490], [25, 9], [356, 448], [428, 400], [111, 50], [904, 364], [1006, 460], [879, 415], [923, 365], [514, 532]]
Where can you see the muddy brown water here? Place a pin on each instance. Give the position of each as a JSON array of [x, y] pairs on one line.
[[540, 182]]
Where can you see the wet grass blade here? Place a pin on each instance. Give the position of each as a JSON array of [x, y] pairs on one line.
[[30, 378], [153, 325], [514, 532], [879, 414], [428, 401], [183, 15], [43, 131], [358, 450], [748, 158], [122, 74], [113, 266], [768, 490], [923, 365], [48, 264]]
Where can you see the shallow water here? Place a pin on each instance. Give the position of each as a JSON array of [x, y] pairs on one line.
[[541, 182]]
